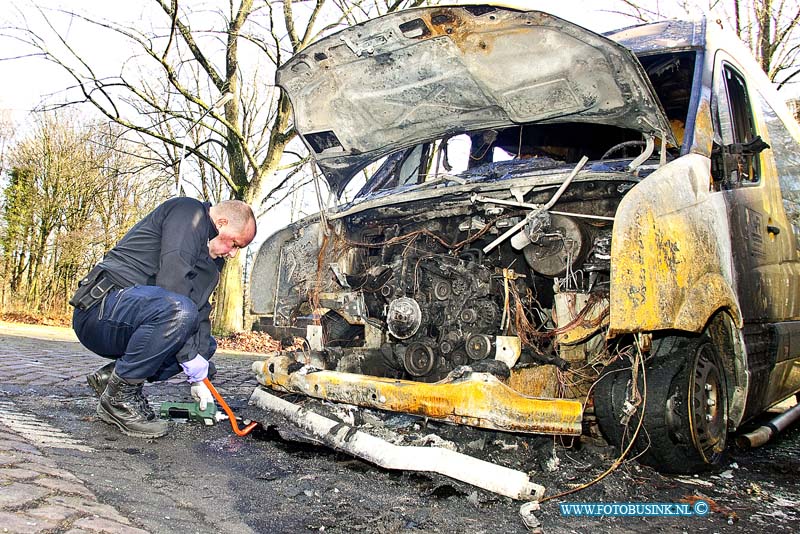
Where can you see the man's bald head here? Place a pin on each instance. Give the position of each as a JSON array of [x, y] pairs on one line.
[[236, 225], [238, 213]]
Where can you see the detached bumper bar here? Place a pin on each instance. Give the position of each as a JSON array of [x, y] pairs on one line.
[[475, 399], [492, 477]]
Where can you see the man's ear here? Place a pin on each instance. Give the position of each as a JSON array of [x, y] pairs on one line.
[[221, 221]]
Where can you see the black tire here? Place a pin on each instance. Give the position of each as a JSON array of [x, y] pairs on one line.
[[686, 412], [610, 393]]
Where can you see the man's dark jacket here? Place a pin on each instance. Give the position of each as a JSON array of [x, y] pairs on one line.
[[169, 248]]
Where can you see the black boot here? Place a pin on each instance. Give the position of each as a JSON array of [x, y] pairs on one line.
[[143, 404], [120, 405], [98, 380]]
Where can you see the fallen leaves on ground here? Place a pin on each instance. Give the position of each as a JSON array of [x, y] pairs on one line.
[[249, 342], [715, 507], [257, 342], [28, 318]]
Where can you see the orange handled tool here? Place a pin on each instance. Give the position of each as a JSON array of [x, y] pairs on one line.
[[244, 431]]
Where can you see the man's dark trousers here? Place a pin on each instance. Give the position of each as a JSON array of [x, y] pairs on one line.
[[142, 327]]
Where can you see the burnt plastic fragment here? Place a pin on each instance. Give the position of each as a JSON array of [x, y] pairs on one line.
[[322, 141], [494, 367], [293, 367], [479, 10], [415, 29], [442, 18]]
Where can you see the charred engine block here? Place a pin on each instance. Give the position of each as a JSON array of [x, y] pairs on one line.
[[413, 293], [438, 309], [410, 304], [437, 306]]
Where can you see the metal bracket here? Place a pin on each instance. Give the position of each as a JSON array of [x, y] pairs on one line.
[[314, 336]]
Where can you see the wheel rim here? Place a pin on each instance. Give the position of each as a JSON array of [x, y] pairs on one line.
[[708, 405]]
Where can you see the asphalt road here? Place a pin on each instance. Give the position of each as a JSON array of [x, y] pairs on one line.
[[205, 479]]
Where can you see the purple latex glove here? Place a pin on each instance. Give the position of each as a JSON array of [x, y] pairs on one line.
[[196, 369]]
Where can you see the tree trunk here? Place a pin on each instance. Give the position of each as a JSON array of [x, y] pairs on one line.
[[764, 53], [229, 302], [229, 307]]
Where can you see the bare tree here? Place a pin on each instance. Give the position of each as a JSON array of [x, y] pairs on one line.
[[73, 190], [770, 28], [7, 132], [195, 53]]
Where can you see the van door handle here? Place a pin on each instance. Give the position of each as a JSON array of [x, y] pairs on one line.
[[773, 229]]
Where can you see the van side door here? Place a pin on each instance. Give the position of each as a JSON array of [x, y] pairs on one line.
[[763, 246], [748, 184], [783, 135]]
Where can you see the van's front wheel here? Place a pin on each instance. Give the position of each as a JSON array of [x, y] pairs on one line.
[[686, 412], [708, 402]]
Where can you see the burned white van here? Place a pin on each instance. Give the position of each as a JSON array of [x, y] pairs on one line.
[[532, 214]]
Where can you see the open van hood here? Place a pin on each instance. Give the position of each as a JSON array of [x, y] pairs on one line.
[[420, 74]]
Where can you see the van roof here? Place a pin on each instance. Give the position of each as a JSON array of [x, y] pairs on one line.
[[661, 36]]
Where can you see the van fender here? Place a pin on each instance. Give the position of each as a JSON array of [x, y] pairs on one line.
[[671, 252], [709, 294]]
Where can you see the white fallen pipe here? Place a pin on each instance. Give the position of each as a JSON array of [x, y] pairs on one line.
[[343, 437]]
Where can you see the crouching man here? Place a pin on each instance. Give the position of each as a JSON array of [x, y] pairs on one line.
[[146, 306]]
